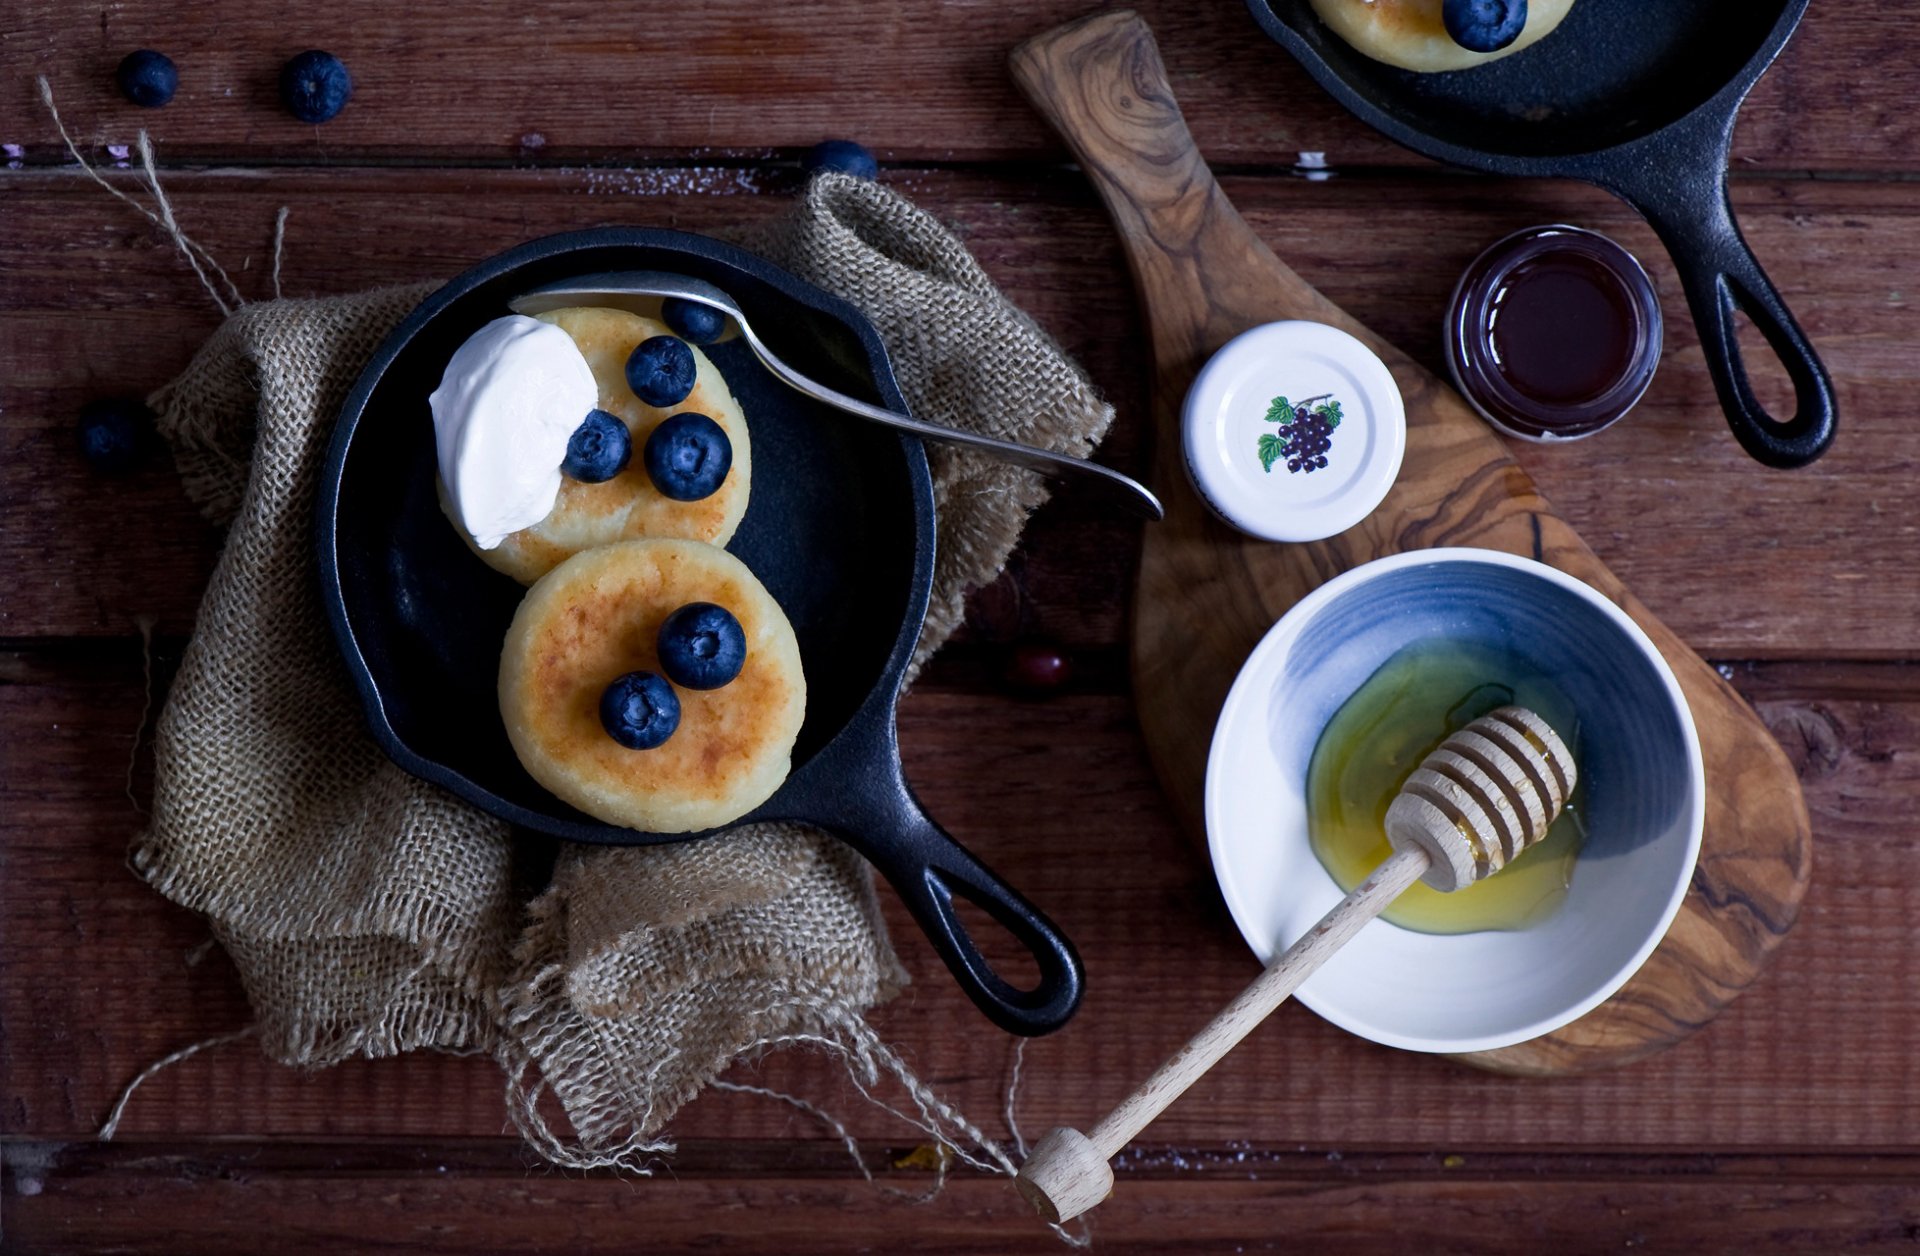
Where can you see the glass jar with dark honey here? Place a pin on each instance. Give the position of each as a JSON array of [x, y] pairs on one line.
[[1553, 333]]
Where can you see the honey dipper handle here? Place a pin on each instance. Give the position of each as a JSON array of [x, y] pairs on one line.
[[1257, 1001], [1068, 1172]]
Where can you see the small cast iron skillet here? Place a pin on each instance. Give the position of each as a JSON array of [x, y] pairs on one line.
[[840, 528], [1639, 97]]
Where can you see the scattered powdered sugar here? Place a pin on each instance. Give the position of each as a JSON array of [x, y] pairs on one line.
[[668, 181], [1239, 1156]]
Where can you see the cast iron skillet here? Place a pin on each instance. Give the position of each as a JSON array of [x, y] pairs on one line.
[[1639, 97], [840, 528]]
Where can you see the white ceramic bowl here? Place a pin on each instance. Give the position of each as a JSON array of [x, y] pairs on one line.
[[1640, 761]]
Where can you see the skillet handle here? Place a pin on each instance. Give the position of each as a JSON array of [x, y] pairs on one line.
[[1695, 220], [928, 869]]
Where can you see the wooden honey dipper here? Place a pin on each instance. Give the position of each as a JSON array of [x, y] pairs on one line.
[[1487, 793]]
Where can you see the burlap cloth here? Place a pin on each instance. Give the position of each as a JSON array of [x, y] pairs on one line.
[[371, 913]]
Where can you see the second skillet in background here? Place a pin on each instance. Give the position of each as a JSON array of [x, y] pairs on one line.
[[1640, 99]]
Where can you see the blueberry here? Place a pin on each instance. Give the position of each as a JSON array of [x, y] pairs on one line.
[[115, 434], [1484, 25], [843, 156], [598, 450], [702, 646], [661, 371], [688, 457], [147, 78], [314, 86], [702, 324], [639, 710]]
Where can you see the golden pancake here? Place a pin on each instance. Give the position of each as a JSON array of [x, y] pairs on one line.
[[628, 505], [1409, 33], [595, 618]]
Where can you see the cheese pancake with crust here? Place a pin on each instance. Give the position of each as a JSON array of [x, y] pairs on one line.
[[1410, 34], [595, 618], [628, 506]]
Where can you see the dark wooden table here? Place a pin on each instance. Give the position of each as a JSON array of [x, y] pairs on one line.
[[1790, 1124]]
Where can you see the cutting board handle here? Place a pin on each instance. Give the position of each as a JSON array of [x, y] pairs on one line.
[[1101, 84], [1203, 276]]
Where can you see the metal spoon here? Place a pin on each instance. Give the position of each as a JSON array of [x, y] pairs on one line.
[[618, 288]]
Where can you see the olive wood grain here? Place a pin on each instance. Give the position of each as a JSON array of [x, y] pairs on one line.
[[1206, 593]]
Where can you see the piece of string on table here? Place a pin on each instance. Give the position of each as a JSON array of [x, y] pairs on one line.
[[112, 1125], [145, 623], [279, 247], [866, 1059], [869, 1065], [225, 295], [1013, 1097]]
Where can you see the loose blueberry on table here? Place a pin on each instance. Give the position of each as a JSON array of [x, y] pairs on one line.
[[315, 86], [702, 646], [639, 710], [115, 434], [661, 371], [693, 320], [598, 450], [1484, 25], [842, 156], [688, 457], [147, 78]]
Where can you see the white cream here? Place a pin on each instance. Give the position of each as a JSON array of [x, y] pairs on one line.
[[511, 397]]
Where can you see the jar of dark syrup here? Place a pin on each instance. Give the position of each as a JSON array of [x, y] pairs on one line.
[[1553, 333]]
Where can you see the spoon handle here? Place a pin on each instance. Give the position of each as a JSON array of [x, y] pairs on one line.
[[1135, 495]]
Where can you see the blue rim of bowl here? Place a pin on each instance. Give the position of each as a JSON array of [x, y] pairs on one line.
[[1282, 634]]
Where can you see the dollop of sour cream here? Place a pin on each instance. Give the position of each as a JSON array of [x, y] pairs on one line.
[[511, 397]]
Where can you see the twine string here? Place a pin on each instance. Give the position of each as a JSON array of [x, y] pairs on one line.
[[112, 1126], [197, 257]]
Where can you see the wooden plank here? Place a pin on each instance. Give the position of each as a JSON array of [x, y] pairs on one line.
[[101, 976], [220, 1198], [928, 83], [1740, 561]]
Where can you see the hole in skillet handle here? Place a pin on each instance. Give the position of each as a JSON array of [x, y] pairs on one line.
[[1723, 279], [876, 813], [933, 873], [1794, 442]]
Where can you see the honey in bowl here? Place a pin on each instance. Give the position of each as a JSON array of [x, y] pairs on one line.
[[1416, 699]]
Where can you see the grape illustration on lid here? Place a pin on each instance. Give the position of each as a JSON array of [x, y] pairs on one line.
[[1293, 431]]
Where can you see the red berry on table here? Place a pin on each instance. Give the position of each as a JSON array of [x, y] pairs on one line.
[[1038, 667]]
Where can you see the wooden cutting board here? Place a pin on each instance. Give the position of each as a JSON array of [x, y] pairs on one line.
[[1206, 593]]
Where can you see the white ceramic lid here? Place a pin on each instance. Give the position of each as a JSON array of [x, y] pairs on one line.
[[1294, 431]]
